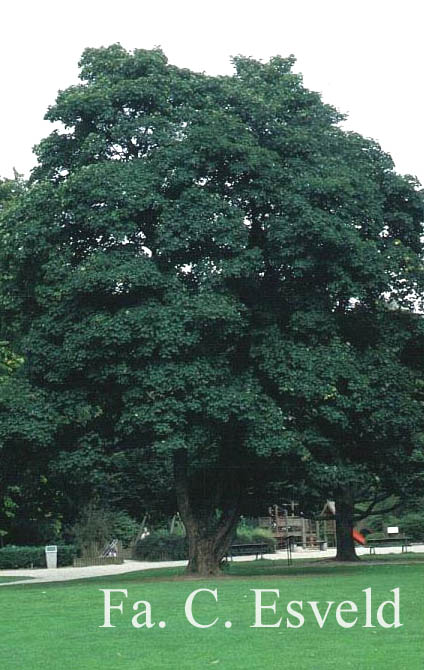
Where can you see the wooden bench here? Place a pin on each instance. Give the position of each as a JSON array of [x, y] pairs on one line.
[[256, 549], [389, 542]]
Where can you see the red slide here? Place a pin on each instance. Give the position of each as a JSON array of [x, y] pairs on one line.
[[358, 537]]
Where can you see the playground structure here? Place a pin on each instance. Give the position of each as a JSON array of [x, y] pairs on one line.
[[306, 533], [319, 532]]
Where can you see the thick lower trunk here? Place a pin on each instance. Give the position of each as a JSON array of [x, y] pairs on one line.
[[344, 529], [206, 550], [209, 531], [202, 557]]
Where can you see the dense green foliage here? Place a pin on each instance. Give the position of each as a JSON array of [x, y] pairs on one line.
[[354, 390], [200, 272], [161, 547], [96, 526], [13, 558], [412, 525], [410, 521]]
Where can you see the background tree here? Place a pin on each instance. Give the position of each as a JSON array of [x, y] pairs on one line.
[[353, 390]]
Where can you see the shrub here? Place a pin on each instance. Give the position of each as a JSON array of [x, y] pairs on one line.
[[124, 527], [14, 558], [256, 535], [159, 546], [412, 525], [66, 554], [97, 526]]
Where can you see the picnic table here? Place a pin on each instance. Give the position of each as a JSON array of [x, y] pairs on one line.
[[257, 549]]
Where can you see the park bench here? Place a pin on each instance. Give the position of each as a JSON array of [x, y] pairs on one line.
[[389, 542], [257, 549]]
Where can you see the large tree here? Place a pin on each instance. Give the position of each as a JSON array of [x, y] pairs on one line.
[[175, 222]]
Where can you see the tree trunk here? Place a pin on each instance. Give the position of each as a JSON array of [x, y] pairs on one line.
[[209, 529], [344, 528], [206, 550]]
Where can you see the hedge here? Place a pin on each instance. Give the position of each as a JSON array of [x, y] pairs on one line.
[[16, 557], [159, 547]]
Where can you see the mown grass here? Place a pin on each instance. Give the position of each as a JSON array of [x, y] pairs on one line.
[[50, 626]]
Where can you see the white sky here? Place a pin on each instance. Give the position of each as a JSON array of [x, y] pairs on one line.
[[366, 58]]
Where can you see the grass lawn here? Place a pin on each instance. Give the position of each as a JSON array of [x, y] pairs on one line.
[[52, 626]]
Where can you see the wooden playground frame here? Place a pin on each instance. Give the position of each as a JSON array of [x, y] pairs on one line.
[[283, 523]]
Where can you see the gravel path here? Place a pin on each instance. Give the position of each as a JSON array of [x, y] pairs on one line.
[[40, 575]]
